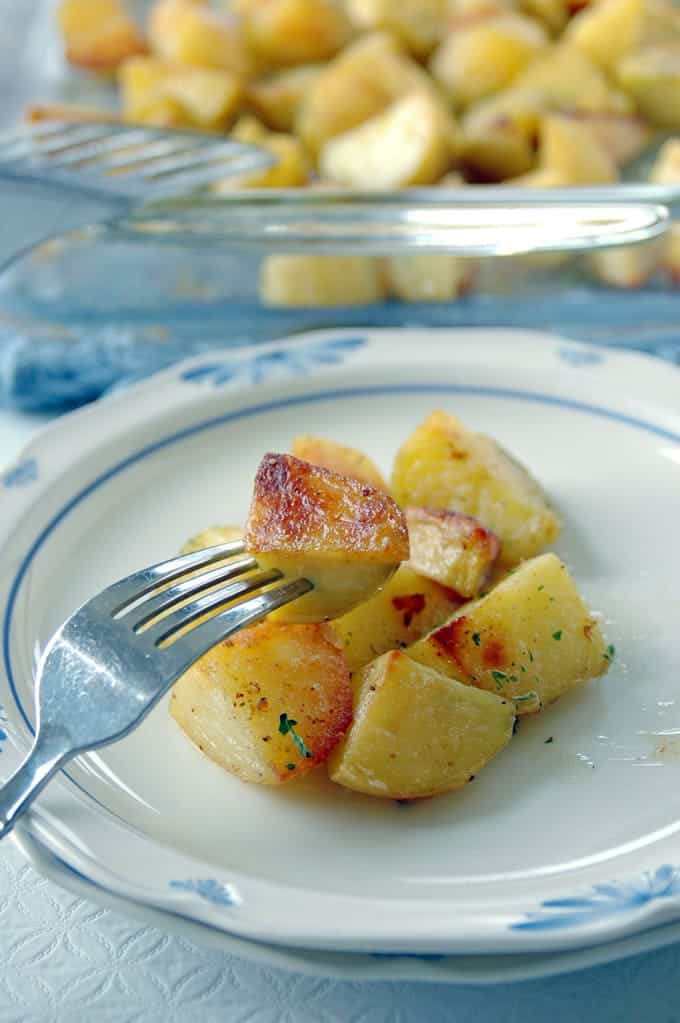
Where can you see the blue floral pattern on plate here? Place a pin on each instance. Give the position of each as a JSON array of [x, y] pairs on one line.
[[256, 367], [20, 475], [605, 900], [208, 889]]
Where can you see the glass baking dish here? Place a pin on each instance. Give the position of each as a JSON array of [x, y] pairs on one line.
[[136, 291]]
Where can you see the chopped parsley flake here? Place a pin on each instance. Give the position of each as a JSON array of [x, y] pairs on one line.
[[476, 639], [525, 697], [557, 635], [541, 588], [531, 656], [290, 767], [287, 727], [610, 652], [500, 678]]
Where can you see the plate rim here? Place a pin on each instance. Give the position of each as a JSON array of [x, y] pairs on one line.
[[654, 910]]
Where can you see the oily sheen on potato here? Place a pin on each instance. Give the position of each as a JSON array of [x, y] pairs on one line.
[[417, 733], [454, 550], [344, 535], [268, 704], [531, 634]]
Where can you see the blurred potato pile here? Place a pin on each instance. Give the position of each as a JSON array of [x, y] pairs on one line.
[[388, 94]]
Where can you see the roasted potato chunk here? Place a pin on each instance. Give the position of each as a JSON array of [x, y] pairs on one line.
[[412, 142], [417, 733], [443, 465], [359, 84], [483, 58], [98, 34], [571, 152], [309, 282], [339, 458], [563, 78], [427, 277], [652, 77], [454, 550], [628, 266], [186, 32], [290, 170], [406, 608], [284, 32], [268, 704], [531, 638], [418, 24], [345, 536], [155, 92], [277, 98]]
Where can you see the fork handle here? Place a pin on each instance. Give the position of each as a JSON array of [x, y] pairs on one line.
[[48, 754]]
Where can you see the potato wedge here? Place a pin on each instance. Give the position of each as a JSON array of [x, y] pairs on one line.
[[345, 536], [476, 61], [426, 277], [454, 550], [359, 84], [531, 634], [652, 77], [269, 704], [285, 32], [563, 78], [277, 99], [308, 282], [444, 465], [339, 458], [186, 32], [418, 24], [607, 30], [98, 34], [412, 142], [406, 608], [417, 733], [291, 169], [204, 98], [571, 150]]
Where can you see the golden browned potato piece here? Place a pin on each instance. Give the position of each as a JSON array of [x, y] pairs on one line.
[[607, 30], [530, 639], [418, 24], [573, 153], [269, 704], [291, 169], [553, 14], [563, 78], [417, 733], [205, 98], [344, 536], [652, 77], [428, 277], [284, 32], [403, 611], [454, 550], [412, 142], [307, 282], [444, 465], [186, 32], [98, 34], [339, 458], [476, 61], [360, 83], [277, 98]]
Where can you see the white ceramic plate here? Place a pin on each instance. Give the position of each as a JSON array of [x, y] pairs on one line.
[[557, 845]]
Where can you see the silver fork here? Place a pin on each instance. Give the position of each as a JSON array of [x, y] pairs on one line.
[[123, 162], [111, 662]]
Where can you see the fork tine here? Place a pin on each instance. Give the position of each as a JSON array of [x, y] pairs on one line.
[[167, 627], [113, 144], [186, 651], [170, 184], [67, 140], [117, 597], [166, 599], [122, 157]]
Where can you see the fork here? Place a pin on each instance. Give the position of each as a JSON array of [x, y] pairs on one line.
[[123, 162], [111, 662]]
